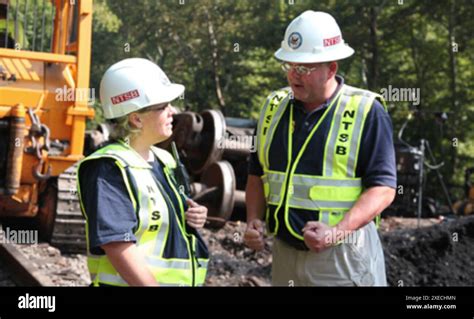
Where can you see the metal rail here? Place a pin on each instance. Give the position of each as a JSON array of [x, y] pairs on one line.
[[24, 273]]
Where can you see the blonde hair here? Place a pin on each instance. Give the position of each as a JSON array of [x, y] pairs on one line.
[[123, 130]]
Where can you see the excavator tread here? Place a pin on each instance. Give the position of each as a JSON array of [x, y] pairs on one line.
[[69, 233]]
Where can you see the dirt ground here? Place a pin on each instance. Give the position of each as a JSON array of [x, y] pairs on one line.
[[231, 262], [439, 253]]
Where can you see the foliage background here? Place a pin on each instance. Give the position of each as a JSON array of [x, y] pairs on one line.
[[222, 51]]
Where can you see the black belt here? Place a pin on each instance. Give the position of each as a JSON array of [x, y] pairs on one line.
[[295, 243], [300, 246]]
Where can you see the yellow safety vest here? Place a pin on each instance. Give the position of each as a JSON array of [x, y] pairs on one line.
[[152, 206], [331, 193]]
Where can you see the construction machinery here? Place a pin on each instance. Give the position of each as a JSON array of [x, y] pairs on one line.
[[215, 150], [44, 103], [44, 78], [413, 163]]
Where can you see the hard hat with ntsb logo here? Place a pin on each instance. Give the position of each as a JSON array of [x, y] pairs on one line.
[[313, 37], [133, 84]]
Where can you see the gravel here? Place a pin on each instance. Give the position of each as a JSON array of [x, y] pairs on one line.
[[439, 253]]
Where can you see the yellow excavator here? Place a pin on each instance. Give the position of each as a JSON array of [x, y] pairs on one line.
[[45, 51]]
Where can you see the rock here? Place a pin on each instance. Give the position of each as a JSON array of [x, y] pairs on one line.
[[52, 251]]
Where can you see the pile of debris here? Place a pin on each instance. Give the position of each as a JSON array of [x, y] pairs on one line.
[[439, 253], [231, 262]]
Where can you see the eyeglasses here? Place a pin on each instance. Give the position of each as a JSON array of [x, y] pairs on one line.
[[300, 69]]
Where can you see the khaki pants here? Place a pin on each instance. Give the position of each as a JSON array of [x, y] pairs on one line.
[[359, 261]]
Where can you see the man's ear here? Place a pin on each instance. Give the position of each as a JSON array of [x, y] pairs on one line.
[[333, 66]]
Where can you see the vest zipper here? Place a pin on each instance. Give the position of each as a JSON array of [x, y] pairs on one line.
[[289, 172], [193, 261]]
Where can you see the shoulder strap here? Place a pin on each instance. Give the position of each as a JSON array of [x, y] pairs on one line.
[[270, 114], [123, 153], [164, 156]]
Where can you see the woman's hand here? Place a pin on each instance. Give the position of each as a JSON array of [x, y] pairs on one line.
[[196, 214]]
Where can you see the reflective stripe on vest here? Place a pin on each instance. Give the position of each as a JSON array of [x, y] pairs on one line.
[[167, 273], [154, 221], [347, 125], [336, 191]]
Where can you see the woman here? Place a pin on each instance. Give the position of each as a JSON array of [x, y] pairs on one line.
[[140, 229]]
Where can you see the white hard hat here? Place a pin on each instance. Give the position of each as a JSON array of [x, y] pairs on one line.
[[313, 37], [133, 84]]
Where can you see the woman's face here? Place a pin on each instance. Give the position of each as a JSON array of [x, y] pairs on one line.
[[157, 123]]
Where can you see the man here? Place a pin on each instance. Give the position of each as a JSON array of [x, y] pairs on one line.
[[325, 166]]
